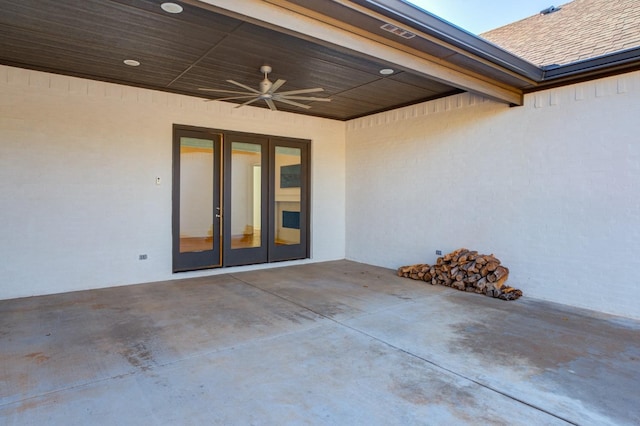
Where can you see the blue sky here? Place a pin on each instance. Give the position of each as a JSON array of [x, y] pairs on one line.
[[477, 16]]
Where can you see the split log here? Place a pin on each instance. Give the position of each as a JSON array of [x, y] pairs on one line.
[[458, 284], [473, 278], [484, 271], [492, 266], [510, 293], [501, 274]]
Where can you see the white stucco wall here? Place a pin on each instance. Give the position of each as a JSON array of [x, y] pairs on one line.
[[78, 164], [552, 188]]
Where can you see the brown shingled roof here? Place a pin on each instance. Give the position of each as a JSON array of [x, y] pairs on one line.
[[581, 29]]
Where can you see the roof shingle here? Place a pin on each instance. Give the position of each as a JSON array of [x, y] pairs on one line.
[[581, 29]]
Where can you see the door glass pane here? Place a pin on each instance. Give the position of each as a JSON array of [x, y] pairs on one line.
[[287, 195], [246, 195], [196, 194]]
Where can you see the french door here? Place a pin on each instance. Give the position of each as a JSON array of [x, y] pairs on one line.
[[251, 190], [288, 199], [196, 199], [246, 195]]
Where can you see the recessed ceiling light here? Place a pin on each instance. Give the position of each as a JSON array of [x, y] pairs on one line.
[[171, 7], [132, 62], [386, 71]]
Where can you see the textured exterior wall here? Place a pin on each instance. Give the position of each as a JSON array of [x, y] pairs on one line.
[[552, 188], [78, 163]]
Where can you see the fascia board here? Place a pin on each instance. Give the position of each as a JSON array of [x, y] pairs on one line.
[[623, 59]]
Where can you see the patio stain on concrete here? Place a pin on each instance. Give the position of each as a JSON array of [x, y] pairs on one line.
[[564, 351], [459, 402], [37, 357], [542, 341], [139, 356], [37, 403]]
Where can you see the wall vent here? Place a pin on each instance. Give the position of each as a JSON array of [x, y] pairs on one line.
[[398, 31]]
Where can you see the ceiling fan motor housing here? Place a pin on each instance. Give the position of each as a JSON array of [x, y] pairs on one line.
[[265, 85]]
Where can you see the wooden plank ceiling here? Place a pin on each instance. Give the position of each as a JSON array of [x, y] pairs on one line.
[[198, 48]]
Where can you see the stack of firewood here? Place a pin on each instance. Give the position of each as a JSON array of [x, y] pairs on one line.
[[465, 270]]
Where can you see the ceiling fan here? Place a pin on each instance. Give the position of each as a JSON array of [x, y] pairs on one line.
[[268, 93]]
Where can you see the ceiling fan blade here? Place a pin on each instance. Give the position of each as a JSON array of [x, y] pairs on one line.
[[298, 92], [272, 106], [284, 100], [223, 91], [244, 86], [248, 102], [230, 98], [302, 98], [275, 86]]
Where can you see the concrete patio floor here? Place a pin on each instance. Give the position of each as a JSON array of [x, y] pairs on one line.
[[337, 343]]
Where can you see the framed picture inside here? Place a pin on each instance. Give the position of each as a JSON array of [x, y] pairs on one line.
[[290, 176]]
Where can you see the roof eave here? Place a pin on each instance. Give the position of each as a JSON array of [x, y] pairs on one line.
[[428, 23], [622, 60], [543, 77]]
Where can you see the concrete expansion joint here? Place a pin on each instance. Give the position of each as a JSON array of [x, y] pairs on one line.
[[406, 352], [460, 375], [67, 388]]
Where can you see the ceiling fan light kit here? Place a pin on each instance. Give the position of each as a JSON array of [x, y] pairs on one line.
[[267, 93]]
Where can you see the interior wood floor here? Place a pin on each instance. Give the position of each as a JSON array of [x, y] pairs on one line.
[[246, 240], [191, 244]]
